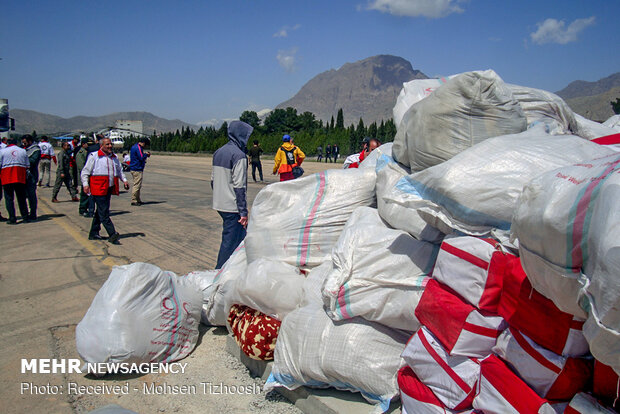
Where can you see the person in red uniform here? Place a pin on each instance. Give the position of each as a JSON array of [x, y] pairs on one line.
[[100, 177], [14, 166], [354, 161]]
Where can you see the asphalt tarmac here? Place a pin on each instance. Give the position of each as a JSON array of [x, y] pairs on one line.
[[50, 272]]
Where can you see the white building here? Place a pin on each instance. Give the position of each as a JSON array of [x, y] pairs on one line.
[[128, 126]]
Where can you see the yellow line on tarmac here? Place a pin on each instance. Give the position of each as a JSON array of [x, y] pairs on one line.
[[87, 244]]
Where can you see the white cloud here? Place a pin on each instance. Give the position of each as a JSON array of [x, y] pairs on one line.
[[283, 32], [556, 31], [415, 8], [286, 59]]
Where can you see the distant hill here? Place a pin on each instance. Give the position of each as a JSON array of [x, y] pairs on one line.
[[26, 121], [367, 88], [591, 99]]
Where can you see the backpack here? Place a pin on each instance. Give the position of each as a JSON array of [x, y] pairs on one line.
[[290, 155]]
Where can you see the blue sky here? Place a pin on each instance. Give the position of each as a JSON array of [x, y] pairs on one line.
[[204, 60]]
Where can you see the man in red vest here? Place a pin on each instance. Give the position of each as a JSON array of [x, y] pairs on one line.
[[14, 166], [100, 178]]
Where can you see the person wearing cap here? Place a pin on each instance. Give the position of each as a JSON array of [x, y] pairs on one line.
[[33, 151], [288, 157], [229, 181], [80, 162], [137, 157], [14, 166], [47, 156]]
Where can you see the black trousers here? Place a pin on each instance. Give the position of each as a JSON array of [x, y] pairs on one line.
[[102, 215], [31, 195], [10, 191], [256, 165]]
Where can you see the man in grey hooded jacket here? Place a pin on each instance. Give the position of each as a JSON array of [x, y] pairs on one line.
[[229, 181]]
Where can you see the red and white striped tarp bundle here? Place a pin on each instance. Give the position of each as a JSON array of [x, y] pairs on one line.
[[500, 391], [451, 378], [606, 384], [550, 375], [460, 327], [417, 398], [586, 404], [464, 264], [536, 316]]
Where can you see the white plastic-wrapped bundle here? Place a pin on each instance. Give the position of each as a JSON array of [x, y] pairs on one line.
[[468, 109], [215, 306], [355, 355], [141, 314], [477, 189], [269, 286], [205, 279], [540, 105], [299, 221], [378, 273], [568, 225], [590, 130], [314, 284], [413, 92], [613, 122], [392, 203]]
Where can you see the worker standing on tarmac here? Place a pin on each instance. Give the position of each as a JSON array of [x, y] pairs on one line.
[[288, 157]]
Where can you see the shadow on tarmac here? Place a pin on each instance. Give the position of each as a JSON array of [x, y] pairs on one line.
[[126, 235], [45, 217], [144, 203], [118, 213]]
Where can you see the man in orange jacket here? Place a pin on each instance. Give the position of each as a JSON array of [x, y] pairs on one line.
[[288, 157]]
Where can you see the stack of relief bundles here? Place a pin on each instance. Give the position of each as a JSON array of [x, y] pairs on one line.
[[466, 110], [299, 221]]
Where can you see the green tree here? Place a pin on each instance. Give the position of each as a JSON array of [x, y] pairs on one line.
[[340, 119], [331, 124], [250, 117], [308, 122], [372, 130], [616, 106]]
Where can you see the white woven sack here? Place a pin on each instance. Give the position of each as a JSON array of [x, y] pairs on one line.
[[214, 309], [500, 391], [140, 314], [378, 273], [451, 378], [567, 225], [586, 404], [392, 202], [543, 106], [314, 284], [299, 221], [462, 264], [268, 286], [413, 92], [355, 355], [468, 109], [591, 130], [477, 190], [613, 122]]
